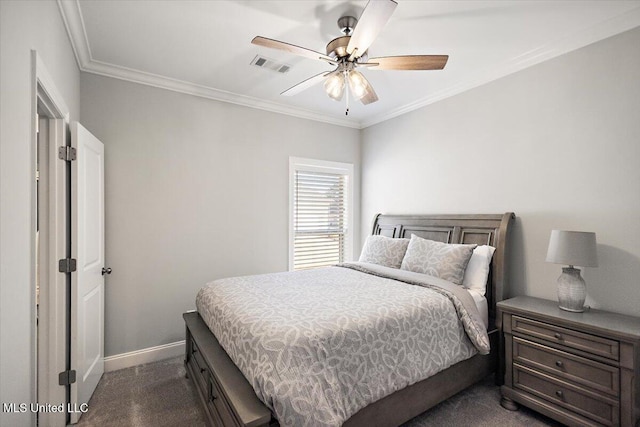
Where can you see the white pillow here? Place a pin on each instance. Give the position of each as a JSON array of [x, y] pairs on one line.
[[477, 272], [383, 250]]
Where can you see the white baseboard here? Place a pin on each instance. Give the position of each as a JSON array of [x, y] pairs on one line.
[[146, 355]]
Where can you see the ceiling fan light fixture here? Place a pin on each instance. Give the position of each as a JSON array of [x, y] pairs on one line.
[[334, 86], [350, 51]]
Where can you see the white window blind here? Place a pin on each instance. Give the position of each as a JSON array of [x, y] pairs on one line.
[[319, 217]]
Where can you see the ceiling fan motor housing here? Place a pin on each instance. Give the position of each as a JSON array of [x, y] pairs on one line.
[[337, 48]]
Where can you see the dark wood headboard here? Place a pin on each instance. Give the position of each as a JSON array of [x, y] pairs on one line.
[[481, 229]]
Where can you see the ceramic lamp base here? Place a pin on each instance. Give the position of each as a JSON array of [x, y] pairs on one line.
[[572, 291]]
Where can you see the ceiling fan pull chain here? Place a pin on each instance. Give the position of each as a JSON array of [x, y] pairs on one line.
[[346, 89]]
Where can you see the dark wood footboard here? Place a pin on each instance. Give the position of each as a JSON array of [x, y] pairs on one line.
[[226, 396]]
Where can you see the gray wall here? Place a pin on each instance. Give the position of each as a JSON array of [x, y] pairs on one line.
[[24, 25], [558, 144], [195, 190]]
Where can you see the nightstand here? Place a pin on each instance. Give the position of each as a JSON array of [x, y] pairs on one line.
[[582, 369]]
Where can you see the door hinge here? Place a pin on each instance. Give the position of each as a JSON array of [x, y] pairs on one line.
[[67, 265], [67, 377], [66, 153]]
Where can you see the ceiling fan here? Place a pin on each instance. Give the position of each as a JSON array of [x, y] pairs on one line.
[[349, 52]]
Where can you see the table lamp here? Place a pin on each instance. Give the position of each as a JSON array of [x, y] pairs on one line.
[[572, 248]]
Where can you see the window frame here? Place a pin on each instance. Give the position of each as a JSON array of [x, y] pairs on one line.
[[324, 166]]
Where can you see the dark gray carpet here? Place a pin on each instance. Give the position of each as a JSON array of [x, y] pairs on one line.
[[155, 394], [158, 395]]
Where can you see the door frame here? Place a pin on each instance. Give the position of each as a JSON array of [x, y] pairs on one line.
[[49, 356]]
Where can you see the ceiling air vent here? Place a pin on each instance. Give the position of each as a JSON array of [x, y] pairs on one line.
[[262, 62]]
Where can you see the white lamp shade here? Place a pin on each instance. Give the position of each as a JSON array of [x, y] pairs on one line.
[[573, 248]]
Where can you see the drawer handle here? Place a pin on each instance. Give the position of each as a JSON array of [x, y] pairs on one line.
[[559, 363], [212, 396], [558, 335], [212, 393], [559, 393]]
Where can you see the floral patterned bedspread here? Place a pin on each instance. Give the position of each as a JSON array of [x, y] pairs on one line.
[[319, 345]]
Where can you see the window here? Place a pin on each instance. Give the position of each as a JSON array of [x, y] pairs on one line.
[[320, 216]]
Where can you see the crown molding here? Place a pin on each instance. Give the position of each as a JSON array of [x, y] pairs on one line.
[[162, 82], [74, 23], [585, 37], [72, 17]]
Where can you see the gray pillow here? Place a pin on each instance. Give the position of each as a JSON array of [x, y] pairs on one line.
[[383, 250], [443, 260]]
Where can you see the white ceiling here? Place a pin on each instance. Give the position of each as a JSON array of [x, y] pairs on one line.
[[204, 47]]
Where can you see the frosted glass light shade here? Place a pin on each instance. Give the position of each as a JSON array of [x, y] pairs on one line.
[[358, 84], [334, 86]]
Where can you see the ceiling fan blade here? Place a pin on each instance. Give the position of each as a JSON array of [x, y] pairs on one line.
[[306, 84], [409, 62], [373, 18], [291, 48]]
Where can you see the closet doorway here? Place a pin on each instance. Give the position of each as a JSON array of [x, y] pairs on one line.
[[51, 245], [68, 258]]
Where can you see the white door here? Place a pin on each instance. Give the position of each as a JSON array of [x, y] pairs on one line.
[[87, 283]]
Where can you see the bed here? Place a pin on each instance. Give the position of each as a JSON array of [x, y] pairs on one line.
[[229, 399]]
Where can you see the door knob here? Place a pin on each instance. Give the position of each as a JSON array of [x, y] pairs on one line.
[[106, 270]]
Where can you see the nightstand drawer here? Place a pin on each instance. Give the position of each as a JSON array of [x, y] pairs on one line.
[[588, 404], [595, 375], [580, 341]]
